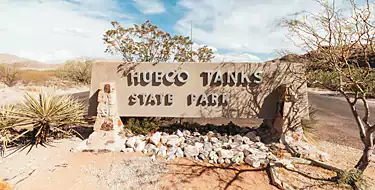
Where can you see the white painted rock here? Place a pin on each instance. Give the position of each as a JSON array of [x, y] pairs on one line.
[[238, 139], [225, 153], [220, 161], [186, 133], [252, 161], [214, 140], [213, 156], [179, 152], [131, 142], [191, 151], [242, 147], [149, 148], [139, 145], [164, 139], [162, 151], [179, 133], [172, 140], [199, 146], [155, 138], [246, 140]]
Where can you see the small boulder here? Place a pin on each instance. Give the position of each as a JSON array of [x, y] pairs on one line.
[[242, 147], [220, 161], [207, 147], [186, 133], [225, 153], [171, 153], [164, 139], [214, 140], [203, 138], [253, 136], [238, 139], [201, 156], [210, 133], [246, 140], [252, 161], [191, 151], [238, 158], [179, 133], [149, 148], [196, 134], [179, 153], [173, 140], [139, 145], [213, 156], [162, 151], [199, 146], [130, 142], [155, 138], [227, 161]]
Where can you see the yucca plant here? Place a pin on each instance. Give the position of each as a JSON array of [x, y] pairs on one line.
[[5, 126], [44, 115]]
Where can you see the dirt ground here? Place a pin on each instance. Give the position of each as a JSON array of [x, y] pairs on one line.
[[55, 167]]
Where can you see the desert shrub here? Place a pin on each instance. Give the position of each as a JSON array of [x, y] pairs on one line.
[[308, 125], [41, 117], [9, 75], [78, 70], [142, 125], [354, 176]]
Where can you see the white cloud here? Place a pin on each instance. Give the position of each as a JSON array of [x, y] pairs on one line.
[[235, 57], [240, 25], [196, 46], [150, 6], [53, 31], [229, 57]]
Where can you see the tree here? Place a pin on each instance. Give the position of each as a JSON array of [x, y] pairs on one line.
[[78, 70], [334, 37], [147, 43]]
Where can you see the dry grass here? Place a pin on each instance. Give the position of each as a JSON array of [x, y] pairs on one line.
[[35, 76], [47, 78]]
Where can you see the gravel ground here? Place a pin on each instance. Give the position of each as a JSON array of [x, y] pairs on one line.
[[58, 168]]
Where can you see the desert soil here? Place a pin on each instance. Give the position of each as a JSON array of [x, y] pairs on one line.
[[56, 167]]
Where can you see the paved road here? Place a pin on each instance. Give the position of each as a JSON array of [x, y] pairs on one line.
[[335, 120]]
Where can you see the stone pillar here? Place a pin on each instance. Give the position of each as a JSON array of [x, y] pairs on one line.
[[108, 125], [107, 118]]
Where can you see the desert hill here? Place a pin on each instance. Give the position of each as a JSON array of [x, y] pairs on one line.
[[356, 56], [26, 64]]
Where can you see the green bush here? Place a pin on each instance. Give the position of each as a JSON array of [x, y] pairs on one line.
[[40, 117], [78, 70], [142, 125], [9, 75], [329, 79]]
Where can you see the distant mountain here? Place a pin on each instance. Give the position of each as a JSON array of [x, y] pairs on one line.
[[23, 63]]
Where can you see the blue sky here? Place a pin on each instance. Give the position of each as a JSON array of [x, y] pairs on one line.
[[53, 31]]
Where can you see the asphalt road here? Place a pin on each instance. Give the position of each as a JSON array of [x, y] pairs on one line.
[[335, 122]]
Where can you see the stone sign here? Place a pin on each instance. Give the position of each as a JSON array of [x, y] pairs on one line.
[[230, 90]]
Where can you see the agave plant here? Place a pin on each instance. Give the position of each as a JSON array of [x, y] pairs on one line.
[[43, 115]]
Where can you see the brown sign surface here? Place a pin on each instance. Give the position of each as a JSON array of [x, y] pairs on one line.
[[231, 90]]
